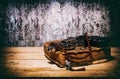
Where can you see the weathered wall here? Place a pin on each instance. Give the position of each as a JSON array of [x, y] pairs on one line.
[[32, 25]]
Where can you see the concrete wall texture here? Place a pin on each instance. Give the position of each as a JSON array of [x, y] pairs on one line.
[[32, 25]]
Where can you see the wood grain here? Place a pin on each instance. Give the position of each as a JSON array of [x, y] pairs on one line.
[[31, 62]]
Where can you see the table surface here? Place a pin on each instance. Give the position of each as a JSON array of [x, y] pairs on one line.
[[31, 62]]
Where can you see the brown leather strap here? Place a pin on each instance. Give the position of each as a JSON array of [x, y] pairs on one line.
[[89, 47], [68, 65]]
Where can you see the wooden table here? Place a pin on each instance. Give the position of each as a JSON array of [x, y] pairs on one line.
[[31, 62]]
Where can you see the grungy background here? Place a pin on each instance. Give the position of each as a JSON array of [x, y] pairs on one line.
[[33, 22]]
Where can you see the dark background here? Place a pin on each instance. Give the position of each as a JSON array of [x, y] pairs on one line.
[[112, 5]]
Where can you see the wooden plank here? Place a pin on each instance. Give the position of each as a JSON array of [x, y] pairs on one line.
[[29, 53], [48, 72], [26, 55], [33, 60], [15, 53], [21, 49], [46, 64], [40, 49], [30, 62], [27, 63], [65, 74], [34, 55], [108, 66], [55, 73]]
